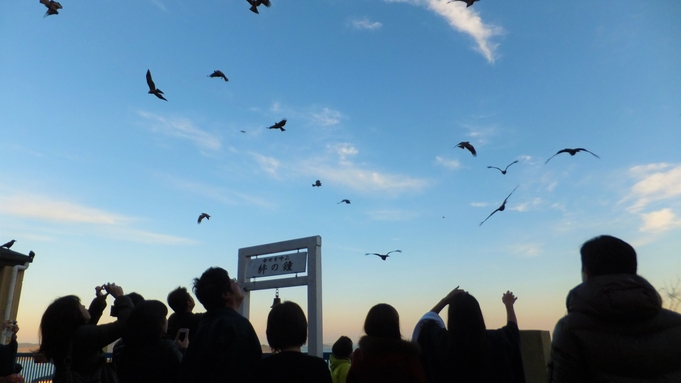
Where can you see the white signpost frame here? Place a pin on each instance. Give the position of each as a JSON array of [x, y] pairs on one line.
[[251, 268]]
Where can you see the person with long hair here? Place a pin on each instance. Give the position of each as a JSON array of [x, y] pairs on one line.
[[383, 356], [466, 351], [69, 337], [147, 355], [286, 334]]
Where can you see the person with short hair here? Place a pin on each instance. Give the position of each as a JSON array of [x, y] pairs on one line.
[[616, 329], [182, 303], [383, 356], [286, 334], [341, 352], [225, 347]]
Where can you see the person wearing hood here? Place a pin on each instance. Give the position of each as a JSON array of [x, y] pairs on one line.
[[616, 329], [383, 356], [341, 351]]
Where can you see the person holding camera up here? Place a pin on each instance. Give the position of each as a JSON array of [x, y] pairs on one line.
[[8, 352], [73, 341]]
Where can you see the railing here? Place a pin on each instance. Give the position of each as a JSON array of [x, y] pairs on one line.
[[42, 372]]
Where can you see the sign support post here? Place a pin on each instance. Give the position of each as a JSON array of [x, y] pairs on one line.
[[310, 259]]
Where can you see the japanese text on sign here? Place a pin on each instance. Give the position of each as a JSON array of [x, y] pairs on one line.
[[277, 265]]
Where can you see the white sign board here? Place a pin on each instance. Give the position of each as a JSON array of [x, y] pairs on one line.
[[277, 265]]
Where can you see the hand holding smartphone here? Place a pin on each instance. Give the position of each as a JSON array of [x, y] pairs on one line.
[[182, 338]]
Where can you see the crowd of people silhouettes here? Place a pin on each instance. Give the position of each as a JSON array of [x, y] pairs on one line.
[[615, 330]]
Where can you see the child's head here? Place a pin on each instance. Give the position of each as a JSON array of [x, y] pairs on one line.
[[343, 347]]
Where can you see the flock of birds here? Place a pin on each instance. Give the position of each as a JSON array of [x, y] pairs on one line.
[[54, 6], [467, 145]]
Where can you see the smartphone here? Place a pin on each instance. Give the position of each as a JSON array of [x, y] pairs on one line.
[[182, 334]]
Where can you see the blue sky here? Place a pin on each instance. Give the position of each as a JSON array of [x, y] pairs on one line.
[[105, 182]]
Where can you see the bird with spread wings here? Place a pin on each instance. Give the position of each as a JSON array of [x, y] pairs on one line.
[[384, 256], [500, 208]]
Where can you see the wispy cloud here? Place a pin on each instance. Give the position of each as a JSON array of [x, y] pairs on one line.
[[392, 215], [268, 164], [527, 250], [529, 205], [182, 128], [340, 169], [365, 23], [46, 209], [656, 183], [447, 163], [481, 134], [160, 5], [465, 20], [325, 117], [659, 221], [479, 204], [215, 193], [101, 222]]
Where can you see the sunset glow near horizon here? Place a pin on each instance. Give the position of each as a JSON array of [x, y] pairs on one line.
[[105, 182]]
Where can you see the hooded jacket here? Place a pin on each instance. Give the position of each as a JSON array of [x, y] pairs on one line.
[[380, 360], [616, 331], [339, 368]]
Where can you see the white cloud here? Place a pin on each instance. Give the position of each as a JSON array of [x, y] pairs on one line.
[[465, 20], [344, 150], [46, 209], [479, 204], [481, 134], [657, 182], [450, 164], [527, 250], [103, 223], [182, 128], [268, 164], [215, 193], [525, 206], [159, 4], [659, 221], [365, 23], [392, 215], [326, 117]]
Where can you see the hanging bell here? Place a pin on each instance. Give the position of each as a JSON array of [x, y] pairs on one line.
[[276, 300]]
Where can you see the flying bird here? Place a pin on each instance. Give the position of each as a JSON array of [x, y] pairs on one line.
[[384, 256], [468, 2], [347, 201], [467, 145], [500, 208], [503, 171], [243, 131], [202, 216], [572, 153], [256, 3], [52, 7], [152, 87], [317, 183], [10, 243], [218, 73], [279, 125]]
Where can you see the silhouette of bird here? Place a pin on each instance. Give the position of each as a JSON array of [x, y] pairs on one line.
[[467, 145], [243, 131], [10, 243], [152, 87], [202, 216], [384, 256], [52, 7], [468, 2], [572, 153], [256, 3], [218, 73], [500, 208], [503, 171], [317, 183], [279, 125], [347, 201], [31, 254]]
